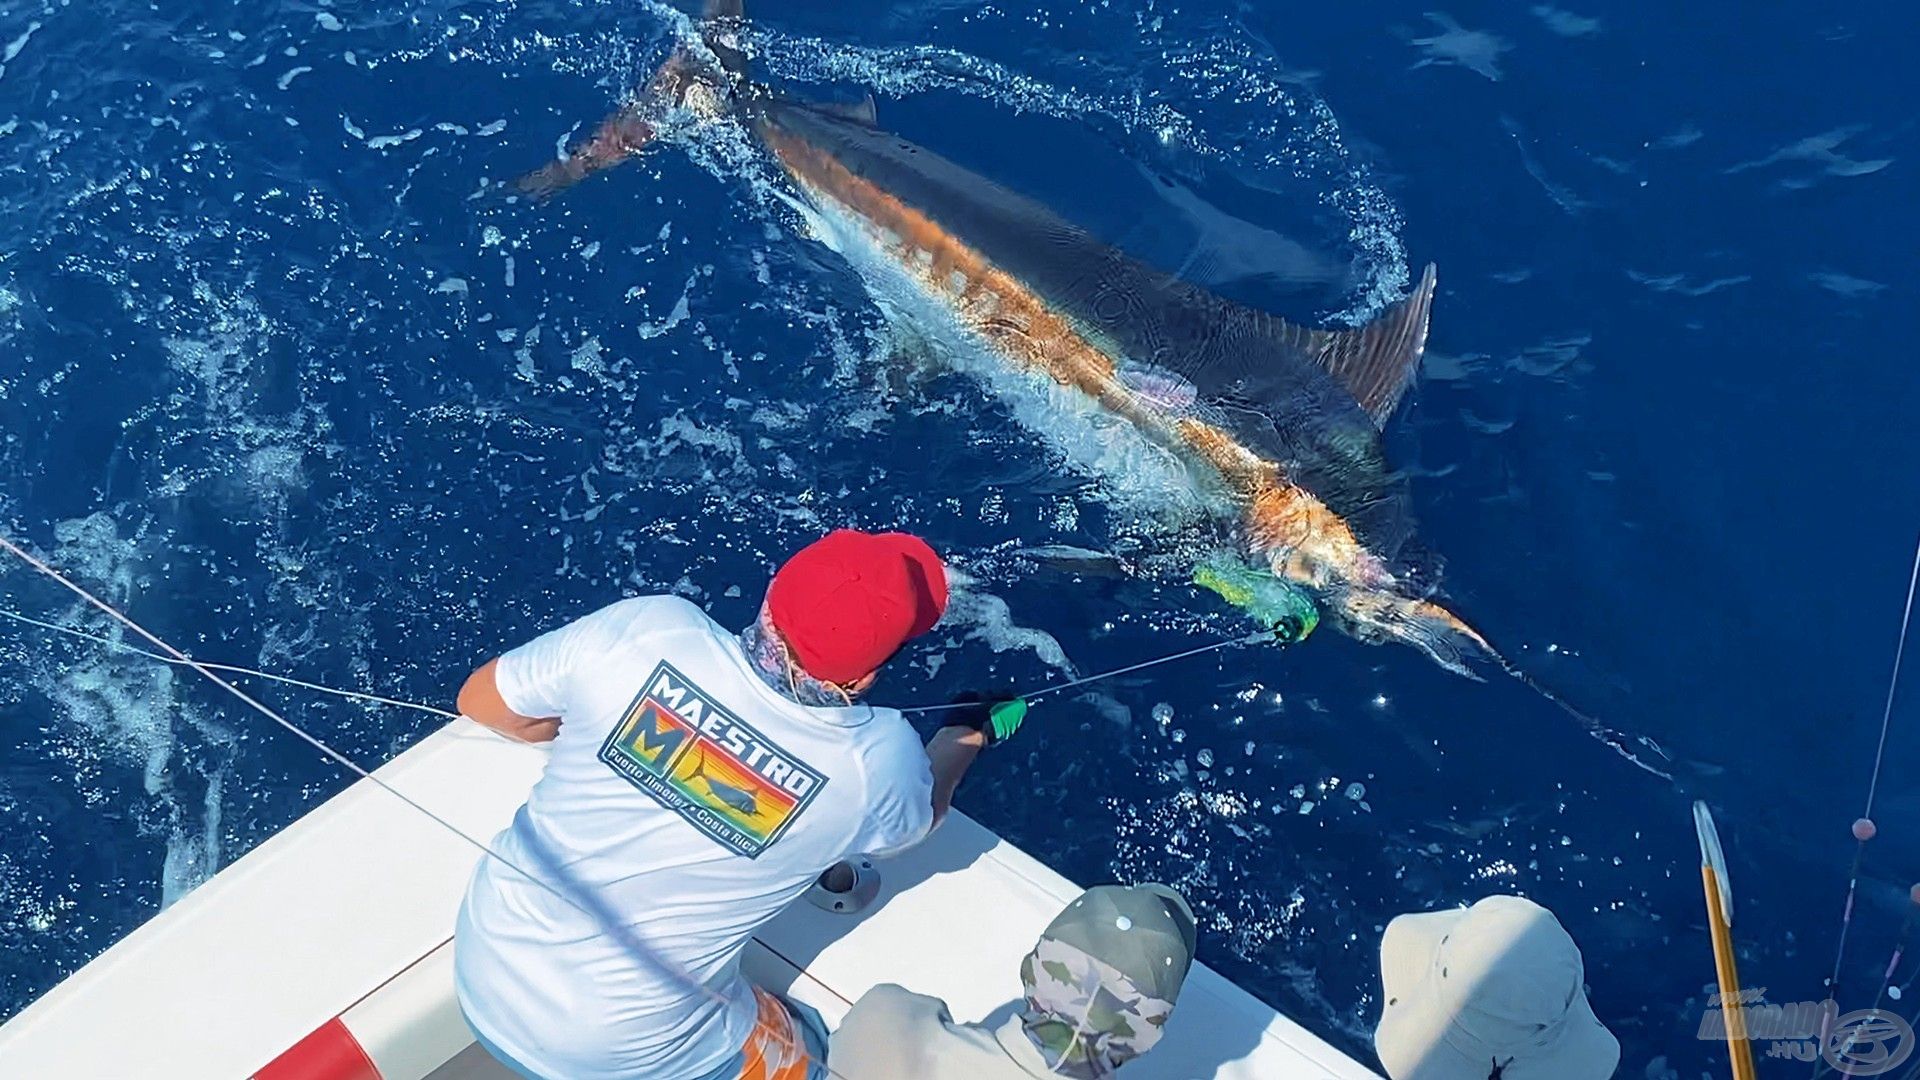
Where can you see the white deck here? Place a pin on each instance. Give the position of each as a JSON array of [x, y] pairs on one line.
[[349, 912]]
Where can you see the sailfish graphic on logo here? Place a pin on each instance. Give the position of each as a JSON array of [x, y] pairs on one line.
[[738, 799]]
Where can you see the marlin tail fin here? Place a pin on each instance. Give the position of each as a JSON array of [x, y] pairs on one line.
[[703, 76]]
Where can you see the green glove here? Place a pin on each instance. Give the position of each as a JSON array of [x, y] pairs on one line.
[[995, 717], [1003, 719]]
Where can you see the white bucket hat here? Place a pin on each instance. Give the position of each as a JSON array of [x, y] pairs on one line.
[[1499, 984]]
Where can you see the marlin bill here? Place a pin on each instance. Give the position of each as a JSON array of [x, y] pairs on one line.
[[1276, 427]]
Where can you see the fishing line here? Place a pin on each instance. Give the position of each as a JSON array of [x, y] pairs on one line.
[[1821, 1067], [1886, 979], [1609, 737], [1248, 639], [1893, 684], [619, 933], [231, 668], [1864, 829], [377, 699]]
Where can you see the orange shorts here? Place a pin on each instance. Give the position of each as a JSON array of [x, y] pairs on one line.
[[777, 1049]]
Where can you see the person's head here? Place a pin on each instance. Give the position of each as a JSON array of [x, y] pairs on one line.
[[1103, 978], [1491, 990], [844, 604]]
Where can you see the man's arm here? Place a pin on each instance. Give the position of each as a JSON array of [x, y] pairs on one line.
[[952, 750], [890, 1033], [480, 700]]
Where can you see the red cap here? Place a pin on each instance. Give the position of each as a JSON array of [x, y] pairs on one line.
[[849, 600]]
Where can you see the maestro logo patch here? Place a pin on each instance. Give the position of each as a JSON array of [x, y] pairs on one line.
[[679, 745]]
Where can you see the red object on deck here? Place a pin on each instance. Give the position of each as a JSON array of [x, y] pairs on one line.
[[330, 1052]]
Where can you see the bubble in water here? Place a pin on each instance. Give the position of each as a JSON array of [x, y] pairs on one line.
[[1163, 714], [1205, 757], [1356, 791]]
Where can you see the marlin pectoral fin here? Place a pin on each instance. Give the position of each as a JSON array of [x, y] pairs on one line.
[[1068, 559]]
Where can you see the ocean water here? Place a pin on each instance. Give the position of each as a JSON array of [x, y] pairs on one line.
[[291, 380]]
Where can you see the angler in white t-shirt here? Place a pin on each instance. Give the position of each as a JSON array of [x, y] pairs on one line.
[[699, 782]]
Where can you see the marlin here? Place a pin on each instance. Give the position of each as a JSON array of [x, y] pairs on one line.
[[1277, 426]]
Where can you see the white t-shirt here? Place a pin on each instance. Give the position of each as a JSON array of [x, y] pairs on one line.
[[692, 803]]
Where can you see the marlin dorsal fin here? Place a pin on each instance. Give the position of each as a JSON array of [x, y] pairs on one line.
[[1375, 362], [860, 112]]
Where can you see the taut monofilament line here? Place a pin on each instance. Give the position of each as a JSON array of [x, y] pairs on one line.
[[1864, 828]]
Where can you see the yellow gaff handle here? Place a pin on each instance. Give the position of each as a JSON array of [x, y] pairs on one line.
[[1730, 1007]]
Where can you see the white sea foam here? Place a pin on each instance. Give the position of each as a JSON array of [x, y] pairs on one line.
[[987, 618], [193, 855], [712, 443], [13, 47], [125, 709]]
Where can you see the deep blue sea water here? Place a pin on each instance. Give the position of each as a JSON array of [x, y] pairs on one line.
[[287, 378]]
